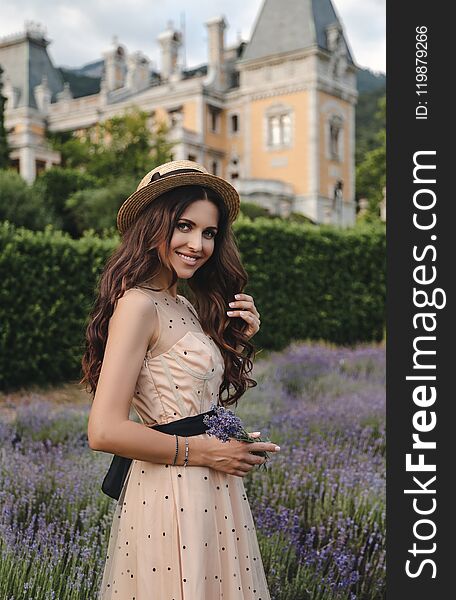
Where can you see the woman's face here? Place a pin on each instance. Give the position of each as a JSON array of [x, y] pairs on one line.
[[192, 243]]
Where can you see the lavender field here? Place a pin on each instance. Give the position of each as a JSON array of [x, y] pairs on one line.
[[319, 509]]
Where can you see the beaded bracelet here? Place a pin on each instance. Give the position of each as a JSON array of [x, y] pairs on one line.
[[177, 449], [186, 452]]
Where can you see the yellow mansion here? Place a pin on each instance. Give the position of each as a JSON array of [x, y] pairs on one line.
[[274, 115]]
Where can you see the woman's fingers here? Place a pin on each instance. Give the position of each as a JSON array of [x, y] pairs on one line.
[[245, 467], [240, 457], [240, 473], [248, 463], [263, 446], [250, 458]]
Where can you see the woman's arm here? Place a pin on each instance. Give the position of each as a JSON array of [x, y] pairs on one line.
[[109, 429]]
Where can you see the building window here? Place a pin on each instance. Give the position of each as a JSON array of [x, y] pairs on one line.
[[335, 128], [234, 175], [279, 129], [214, 118], [40, 166], [214, 167], [285, 129], [234, 122], [176, 116], [338, 195], [191, 157]]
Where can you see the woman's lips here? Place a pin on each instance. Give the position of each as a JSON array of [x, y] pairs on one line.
[[188, 260]]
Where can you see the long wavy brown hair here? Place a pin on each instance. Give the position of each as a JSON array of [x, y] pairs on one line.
[[137, 260]]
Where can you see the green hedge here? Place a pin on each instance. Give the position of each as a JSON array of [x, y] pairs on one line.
[[308, 283], [47, 289], [318, 283]]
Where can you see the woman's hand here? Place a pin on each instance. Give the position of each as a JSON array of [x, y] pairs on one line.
[[247, 311], [234, 457]]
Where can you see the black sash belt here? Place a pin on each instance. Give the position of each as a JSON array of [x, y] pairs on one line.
[[117, 472]]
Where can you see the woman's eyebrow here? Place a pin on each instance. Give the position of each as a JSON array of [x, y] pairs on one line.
[[208, 227]]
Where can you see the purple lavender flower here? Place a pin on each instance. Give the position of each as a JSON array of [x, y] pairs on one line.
[[224, 424], [319, 513]]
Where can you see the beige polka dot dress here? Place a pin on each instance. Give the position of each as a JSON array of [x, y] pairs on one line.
[[181, 533]]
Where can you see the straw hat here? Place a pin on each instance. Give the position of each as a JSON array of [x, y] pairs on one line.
[[171, 175]]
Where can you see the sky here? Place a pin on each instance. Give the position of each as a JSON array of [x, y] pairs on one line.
[[81, 30]]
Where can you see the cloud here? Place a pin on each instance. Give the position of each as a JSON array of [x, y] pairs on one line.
[[365, 27], [81, 30]]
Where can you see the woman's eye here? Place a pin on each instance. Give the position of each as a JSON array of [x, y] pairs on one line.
[[208, 233]]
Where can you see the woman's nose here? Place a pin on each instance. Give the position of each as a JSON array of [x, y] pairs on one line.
[[195, 242]]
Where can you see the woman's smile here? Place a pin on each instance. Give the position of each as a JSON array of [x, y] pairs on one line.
[[187, 258]]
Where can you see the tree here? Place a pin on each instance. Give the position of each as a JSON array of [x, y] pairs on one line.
[[19, 204], [371, 172], [252, 210], [54, 186], [369, 122], [74, 152], [371, 87], [4, 150], [121, 146], [97, 208], [101, 169]]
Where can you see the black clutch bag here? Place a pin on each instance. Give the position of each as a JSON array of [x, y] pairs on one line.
[[115, 477]]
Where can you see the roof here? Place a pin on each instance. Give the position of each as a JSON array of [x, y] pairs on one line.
[[291, 25], [25, 61]]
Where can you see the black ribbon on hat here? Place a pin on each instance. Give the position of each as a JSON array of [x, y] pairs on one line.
[[157, 174]]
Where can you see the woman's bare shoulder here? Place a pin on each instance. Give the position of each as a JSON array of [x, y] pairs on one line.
[[136, 306]]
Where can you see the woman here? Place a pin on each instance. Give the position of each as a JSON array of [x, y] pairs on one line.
[[177, 532]]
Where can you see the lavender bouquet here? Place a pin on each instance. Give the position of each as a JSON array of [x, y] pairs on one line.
[[225, 425]]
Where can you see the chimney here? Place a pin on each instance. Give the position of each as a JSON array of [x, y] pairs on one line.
[[115, 67], [170, 42], [137, 72], [216, 52], [65, 95]]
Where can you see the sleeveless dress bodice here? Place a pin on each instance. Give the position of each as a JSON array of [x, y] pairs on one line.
[[182, 370]]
